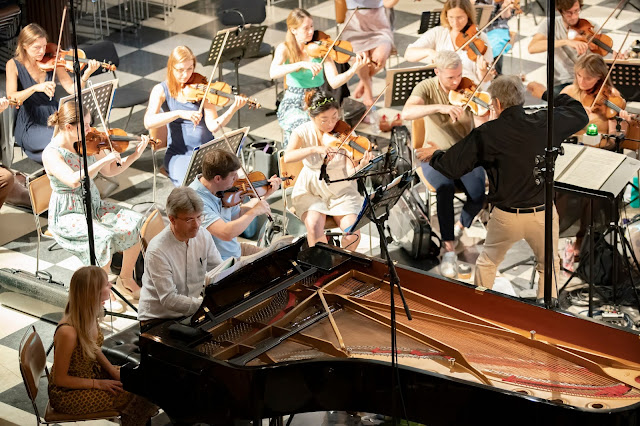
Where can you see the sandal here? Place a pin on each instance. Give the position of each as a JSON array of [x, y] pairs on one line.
[[135, 293]]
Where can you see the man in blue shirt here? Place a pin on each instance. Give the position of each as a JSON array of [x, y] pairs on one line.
[[219, 172]]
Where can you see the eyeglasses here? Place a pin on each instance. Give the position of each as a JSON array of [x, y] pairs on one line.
[[191, 220], [183, 70]]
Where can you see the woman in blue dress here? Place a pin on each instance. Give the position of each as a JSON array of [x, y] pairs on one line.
[[186, 128], [115, 228], [27, 83], [302, 72]]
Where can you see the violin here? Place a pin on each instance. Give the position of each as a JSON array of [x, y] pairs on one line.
[[608, 103], [240, 189], [97, 141], [600, 43], [356, 146], [219, 92], [65, 59], [476, 47], [480, 103], [320, 44]]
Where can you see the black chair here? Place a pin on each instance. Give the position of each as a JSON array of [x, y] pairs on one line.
[[124, 97], [234, 13]]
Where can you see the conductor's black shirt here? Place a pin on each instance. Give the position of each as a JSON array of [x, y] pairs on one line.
[[507, 148]]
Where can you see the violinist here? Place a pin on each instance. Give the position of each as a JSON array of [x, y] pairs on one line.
[[457, 16], [34, 88], [498, 32], [446, 124], [187, 127], [507, 146], [369, 31], [116, 229], [303, 72], [219, 173], [315, 199]]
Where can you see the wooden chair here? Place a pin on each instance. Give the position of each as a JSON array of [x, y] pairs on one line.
[[33, 363], [40, 194], [151, 227], [293, 169]]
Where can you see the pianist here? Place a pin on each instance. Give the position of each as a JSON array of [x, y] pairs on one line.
[[176, 261]]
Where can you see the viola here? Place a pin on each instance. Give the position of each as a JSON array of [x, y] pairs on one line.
[[356, 146], [600, 43], [219, 92], [320, 44], [65, 59], [476, 47], [608, 103], [240, 189], [97, 141], [480, 103]]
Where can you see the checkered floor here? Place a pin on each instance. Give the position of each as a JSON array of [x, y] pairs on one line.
[[143, 55]]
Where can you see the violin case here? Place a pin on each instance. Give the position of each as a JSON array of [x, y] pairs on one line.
[[410, 228]]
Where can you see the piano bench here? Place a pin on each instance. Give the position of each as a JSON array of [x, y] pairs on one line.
[[123, 347]]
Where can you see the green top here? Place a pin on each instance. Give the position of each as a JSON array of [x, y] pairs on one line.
[[303, 79]]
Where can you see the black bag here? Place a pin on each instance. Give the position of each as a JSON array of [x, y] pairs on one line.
[[410, 228], [602, 262], [401, 139]]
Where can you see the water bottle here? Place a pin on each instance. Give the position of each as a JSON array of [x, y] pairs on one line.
[[635, 200]]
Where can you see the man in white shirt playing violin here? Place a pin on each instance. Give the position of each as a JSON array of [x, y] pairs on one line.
[[225, 222]]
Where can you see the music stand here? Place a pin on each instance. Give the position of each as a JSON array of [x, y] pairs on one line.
[[428, 20], [626, 78], [402, 81], [104, 93], [240, 44], [195, 164]]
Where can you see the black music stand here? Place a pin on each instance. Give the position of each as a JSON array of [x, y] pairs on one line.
[[104, 93], [401, 82], [428, 20], [195, 165], [242, 43], [626, 78]]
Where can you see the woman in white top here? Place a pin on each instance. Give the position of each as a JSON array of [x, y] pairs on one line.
[[315, 199], [455, 16]]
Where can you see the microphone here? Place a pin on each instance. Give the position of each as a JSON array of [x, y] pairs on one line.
[[323, 170]]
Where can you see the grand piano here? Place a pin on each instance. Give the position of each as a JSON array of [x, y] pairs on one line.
[[309, 330]]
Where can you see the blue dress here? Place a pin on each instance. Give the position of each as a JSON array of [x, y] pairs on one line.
[[182, 138], [31, 132]]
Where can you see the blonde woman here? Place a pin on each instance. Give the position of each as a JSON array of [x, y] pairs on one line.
[[82, 380], [27, 83], [303, 72], [455, 17], [115, 228], [187, 127]]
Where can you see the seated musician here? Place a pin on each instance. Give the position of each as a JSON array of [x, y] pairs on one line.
[[225, 223], [456, 15], [315, 199], [176, 261], [187, 127], [6, 177], [302, 72], [116, 228], [507, 146], [498, 31], [30, 81], [446, 124], [82, 380], [369, 31]]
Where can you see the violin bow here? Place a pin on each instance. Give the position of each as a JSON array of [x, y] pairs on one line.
[[362, 118], [613, 64], [253, 189], [338, 36], [215, 66], [485, 27], [493, 64], [604, 23], [104, 125], [55, 60]]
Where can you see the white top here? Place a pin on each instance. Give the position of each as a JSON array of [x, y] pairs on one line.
[[174, 274], [438, 38], [369, 4]]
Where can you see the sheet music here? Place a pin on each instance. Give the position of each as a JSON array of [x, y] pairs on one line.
[[571, 152], [592, 168]]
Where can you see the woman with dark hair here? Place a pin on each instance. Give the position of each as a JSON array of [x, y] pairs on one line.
[[27, 83], [187, 127], [302, 72], [82, 380], [312, 198]]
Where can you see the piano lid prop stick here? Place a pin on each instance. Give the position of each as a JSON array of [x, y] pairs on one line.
[[333, 322]]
